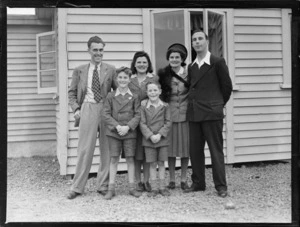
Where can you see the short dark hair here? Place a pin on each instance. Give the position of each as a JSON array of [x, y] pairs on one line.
[[138, 55], [124, 69], [95, 39], [199, 30], [153, 82]]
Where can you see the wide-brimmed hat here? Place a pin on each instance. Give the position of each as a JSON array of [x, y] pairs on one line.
[[177, 47]]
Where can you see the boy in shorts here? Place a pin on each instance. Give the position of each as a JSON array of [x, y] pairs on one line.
[[121, 114], [155, 125]]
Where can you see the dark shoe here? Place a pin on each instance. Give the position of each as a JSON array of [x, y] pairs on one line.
[[73, 195], [140, 187], [222, 193], [194, 188], [135, 193], [171, 185], [153, 193], [147, 186], [184, 186], [164, 192], [110, 194], [102, 192]]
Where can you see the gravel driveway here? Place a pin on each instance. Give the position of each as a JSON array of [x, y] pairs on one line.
[[260, 192]]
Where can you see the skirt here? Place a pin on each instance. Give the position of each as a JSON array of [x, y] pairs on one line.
[[179, 140]]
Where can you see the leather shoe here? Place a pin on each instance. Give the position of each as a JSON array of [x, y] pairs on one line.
[[110, 194], [171, 185], [184, 186], [140, 187], [147, 186], [135, 193], [73, 195], [194, 188], [164, 192], [153, 193], [102, 192], [222, 193]]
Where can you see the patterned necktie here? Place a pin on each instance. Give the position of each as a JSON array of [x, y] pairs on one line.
[[96, 85]]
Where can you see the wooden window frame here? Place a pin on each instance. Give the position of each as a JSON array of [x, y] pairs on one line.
[[43, 90], [286, 49], [229, 36]]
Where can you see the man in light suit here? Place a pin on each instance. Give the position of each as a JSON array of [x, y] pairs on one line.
[[89, 87], [210, 89]]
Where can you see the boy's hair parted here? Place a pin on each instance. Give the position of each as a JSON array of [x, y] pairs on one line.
[[153, 82], [124, 69]]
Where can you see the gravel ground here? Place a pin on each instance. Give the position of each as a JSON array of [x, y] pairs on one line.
[[260, 192]]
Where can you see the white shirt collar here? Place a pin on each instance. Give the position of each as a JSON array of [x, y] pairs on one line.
[[206, 60], [147, 75], [92, 66], [127, 92], [181, 71], [149, 103]]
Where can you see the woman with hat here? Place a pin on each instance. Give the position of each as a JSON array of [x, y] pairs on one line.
[[175, 86]]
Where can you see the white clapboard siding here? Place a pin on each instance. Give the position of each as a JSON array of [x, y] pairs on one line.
[[30, 116], [262, 110], [258, 55], [261, 125], [122, 31]]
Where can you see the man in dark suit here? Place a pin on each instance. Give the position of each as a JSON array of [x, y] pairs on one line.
[[89, 87], [210, 89]]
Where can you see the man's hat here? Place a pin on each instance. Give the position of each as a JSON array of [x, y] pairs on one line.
[[177, 47]]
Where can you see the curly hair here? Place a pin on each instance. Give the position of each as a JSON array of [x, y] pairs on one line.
[[138, 55]]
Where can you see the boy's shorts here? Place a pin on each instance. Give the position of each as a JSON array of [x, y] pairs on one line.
[[116, 146], [156, 154]]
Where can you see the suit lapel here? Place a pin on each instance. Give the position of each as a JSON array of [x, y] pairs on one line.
[[84, 75], [122, 102], [203, 70], [157, 111], [103, 73]]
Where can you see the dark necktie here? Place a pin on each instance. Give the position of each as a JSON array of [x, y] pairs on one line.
[[96, 85]]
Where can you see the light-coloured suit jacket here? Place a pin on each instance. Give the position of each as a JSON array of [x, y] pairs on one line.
[[78, 87]]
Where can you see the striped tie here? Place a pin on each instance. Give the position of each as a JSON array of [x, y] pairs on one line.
[[96, 85]]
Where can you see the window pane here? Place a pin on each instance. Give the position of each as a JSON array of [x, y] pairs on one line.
[[168, 29], [196, 23], [47, 61], [48, 79], [47, 43], [215, 33]]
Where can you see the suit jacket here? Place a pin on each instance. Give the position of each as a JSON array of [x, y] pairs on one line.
[[210, 89], [78, 87], [152, 124], [122, 111]]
